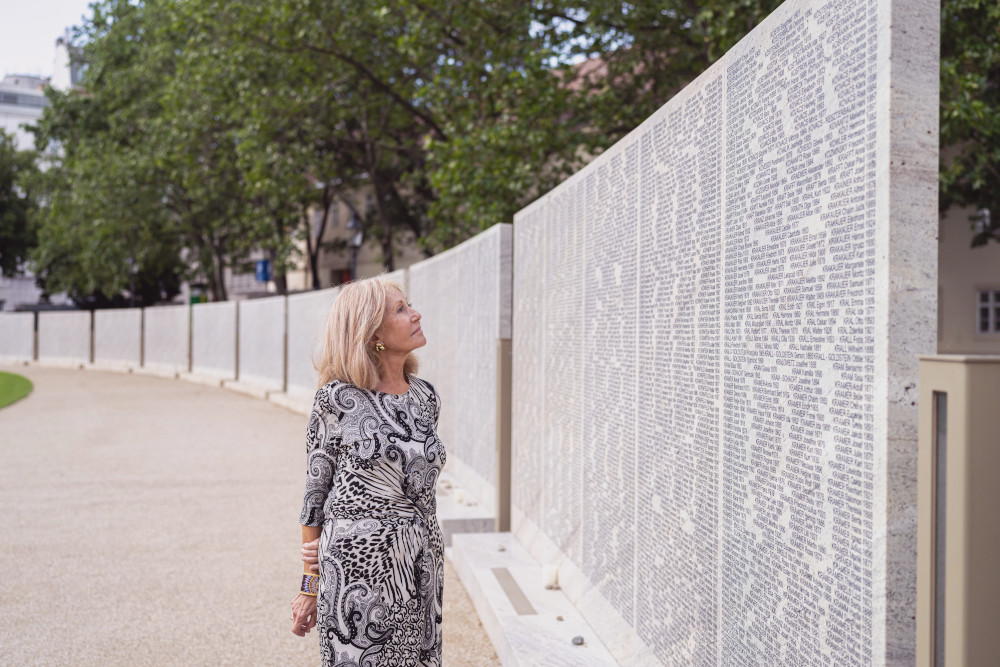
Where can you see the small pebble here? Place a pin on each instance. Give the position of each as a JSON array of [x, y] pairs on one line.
[[559, 618], [578, 641], [501, 548]]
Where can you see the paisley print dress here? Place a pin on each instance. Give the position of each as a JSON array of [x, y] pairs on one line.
[[373, 463]]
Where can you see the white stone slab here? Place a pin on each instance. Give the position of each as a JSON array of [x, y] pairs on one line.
[[166, 340], [118, 338], [64, 337], [459, 509], [251, 389], [401, 277], [540, 639], [262, 343], [307, 313], [464, 296], [300, 403], [213, 340], [17, 337], [716, 323]]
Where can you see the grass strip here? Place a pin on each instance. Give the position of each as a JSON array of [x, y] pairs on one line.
[[13, 388]]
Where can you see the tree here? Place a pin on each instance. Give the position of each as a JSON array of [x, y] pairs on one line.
[[18, 171], [144, 166], [970, 112], [419, 101]]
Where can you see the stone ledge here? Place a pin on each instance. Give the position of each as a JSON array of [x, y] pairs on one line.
[[200, 378], [297, 403], [157, 371], [468, 516], [248, 389], [60, 362], [522, 639], [112, 366]]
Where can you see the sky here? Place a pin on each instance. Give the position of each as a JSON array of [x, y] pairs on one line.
[[28, 32]]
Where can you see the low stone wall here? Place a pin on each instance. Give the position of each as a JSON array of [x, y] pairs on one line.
[[306, 320], [64, 337], [213, 339], [166, 339], [17, 336], [118, 337], [262, 342], [464, 297]]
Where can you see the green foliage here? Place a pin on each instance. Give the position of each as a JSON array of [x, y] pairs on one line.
[[208, 128], [970, 111], [18, 174]]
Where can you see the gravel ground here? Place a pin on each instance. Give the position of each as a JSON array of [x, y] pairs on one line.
[[146, 521]]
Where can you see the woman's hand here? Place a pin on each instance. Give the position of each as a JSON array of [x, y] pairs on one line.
[[303, 614], [310, 555]]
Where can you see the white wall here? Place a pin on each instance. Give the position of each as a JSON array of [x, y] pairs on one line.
[[306, 321], [166, 333], [64, 336], [715, 349], [464, 298], [213, 339], [262, 342], [117, 337], [17, 336]]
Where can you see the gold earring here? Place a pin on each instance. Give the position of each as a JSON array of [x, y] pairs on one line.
[[379, 346]]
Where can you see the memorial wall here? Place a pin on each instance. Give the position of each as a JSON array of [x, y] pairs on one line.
[[464, 298], [262, 342], [715, 330], [213, 339], [306, 323], [118, 337], [64, 337], [17, 337], [166, 339]]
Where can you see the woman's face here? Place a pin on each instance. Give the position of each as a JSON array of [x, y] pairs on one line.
[[400, 331]]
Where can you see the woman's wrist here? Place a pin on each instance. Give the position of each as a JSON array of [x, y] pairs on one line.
[[310, 585]]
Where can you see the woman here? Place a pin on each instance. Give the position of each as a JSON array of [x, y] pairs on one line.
[[373, 462]]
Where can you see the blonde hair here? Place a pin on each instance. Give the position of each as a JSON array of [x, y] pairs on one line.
[[347, 353]]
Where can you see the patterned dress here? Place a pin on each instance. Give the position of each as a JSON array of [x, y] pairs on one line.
[[373, 463]]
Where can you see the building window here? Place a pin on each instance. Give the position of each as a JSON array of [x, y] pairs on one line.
[[989, 311]]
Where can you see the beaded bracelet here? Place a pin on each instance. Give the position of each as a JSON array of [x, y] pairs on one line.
[[310, 584]]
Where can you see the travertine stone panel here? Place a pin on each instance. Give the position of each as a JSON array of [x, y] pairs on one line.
[[117, 336], [17, 336], [64, 336], [166, 338], [529, 460], [714, 362], [262, 342], [463, 296], [608, 386], [213, 339], [306, 325], [401, 277]]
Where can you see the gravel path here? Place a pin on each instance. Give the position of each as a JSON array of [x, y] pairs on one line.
[[146, 521]]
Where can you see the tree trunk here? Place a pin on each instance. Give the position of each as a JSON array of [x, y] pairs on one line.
[[313, 249], [219, 273], [280, 279]]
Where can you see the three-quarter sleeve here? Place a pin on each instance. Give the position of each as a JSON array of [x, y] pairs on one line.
[[322, 442], [437, 407]]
